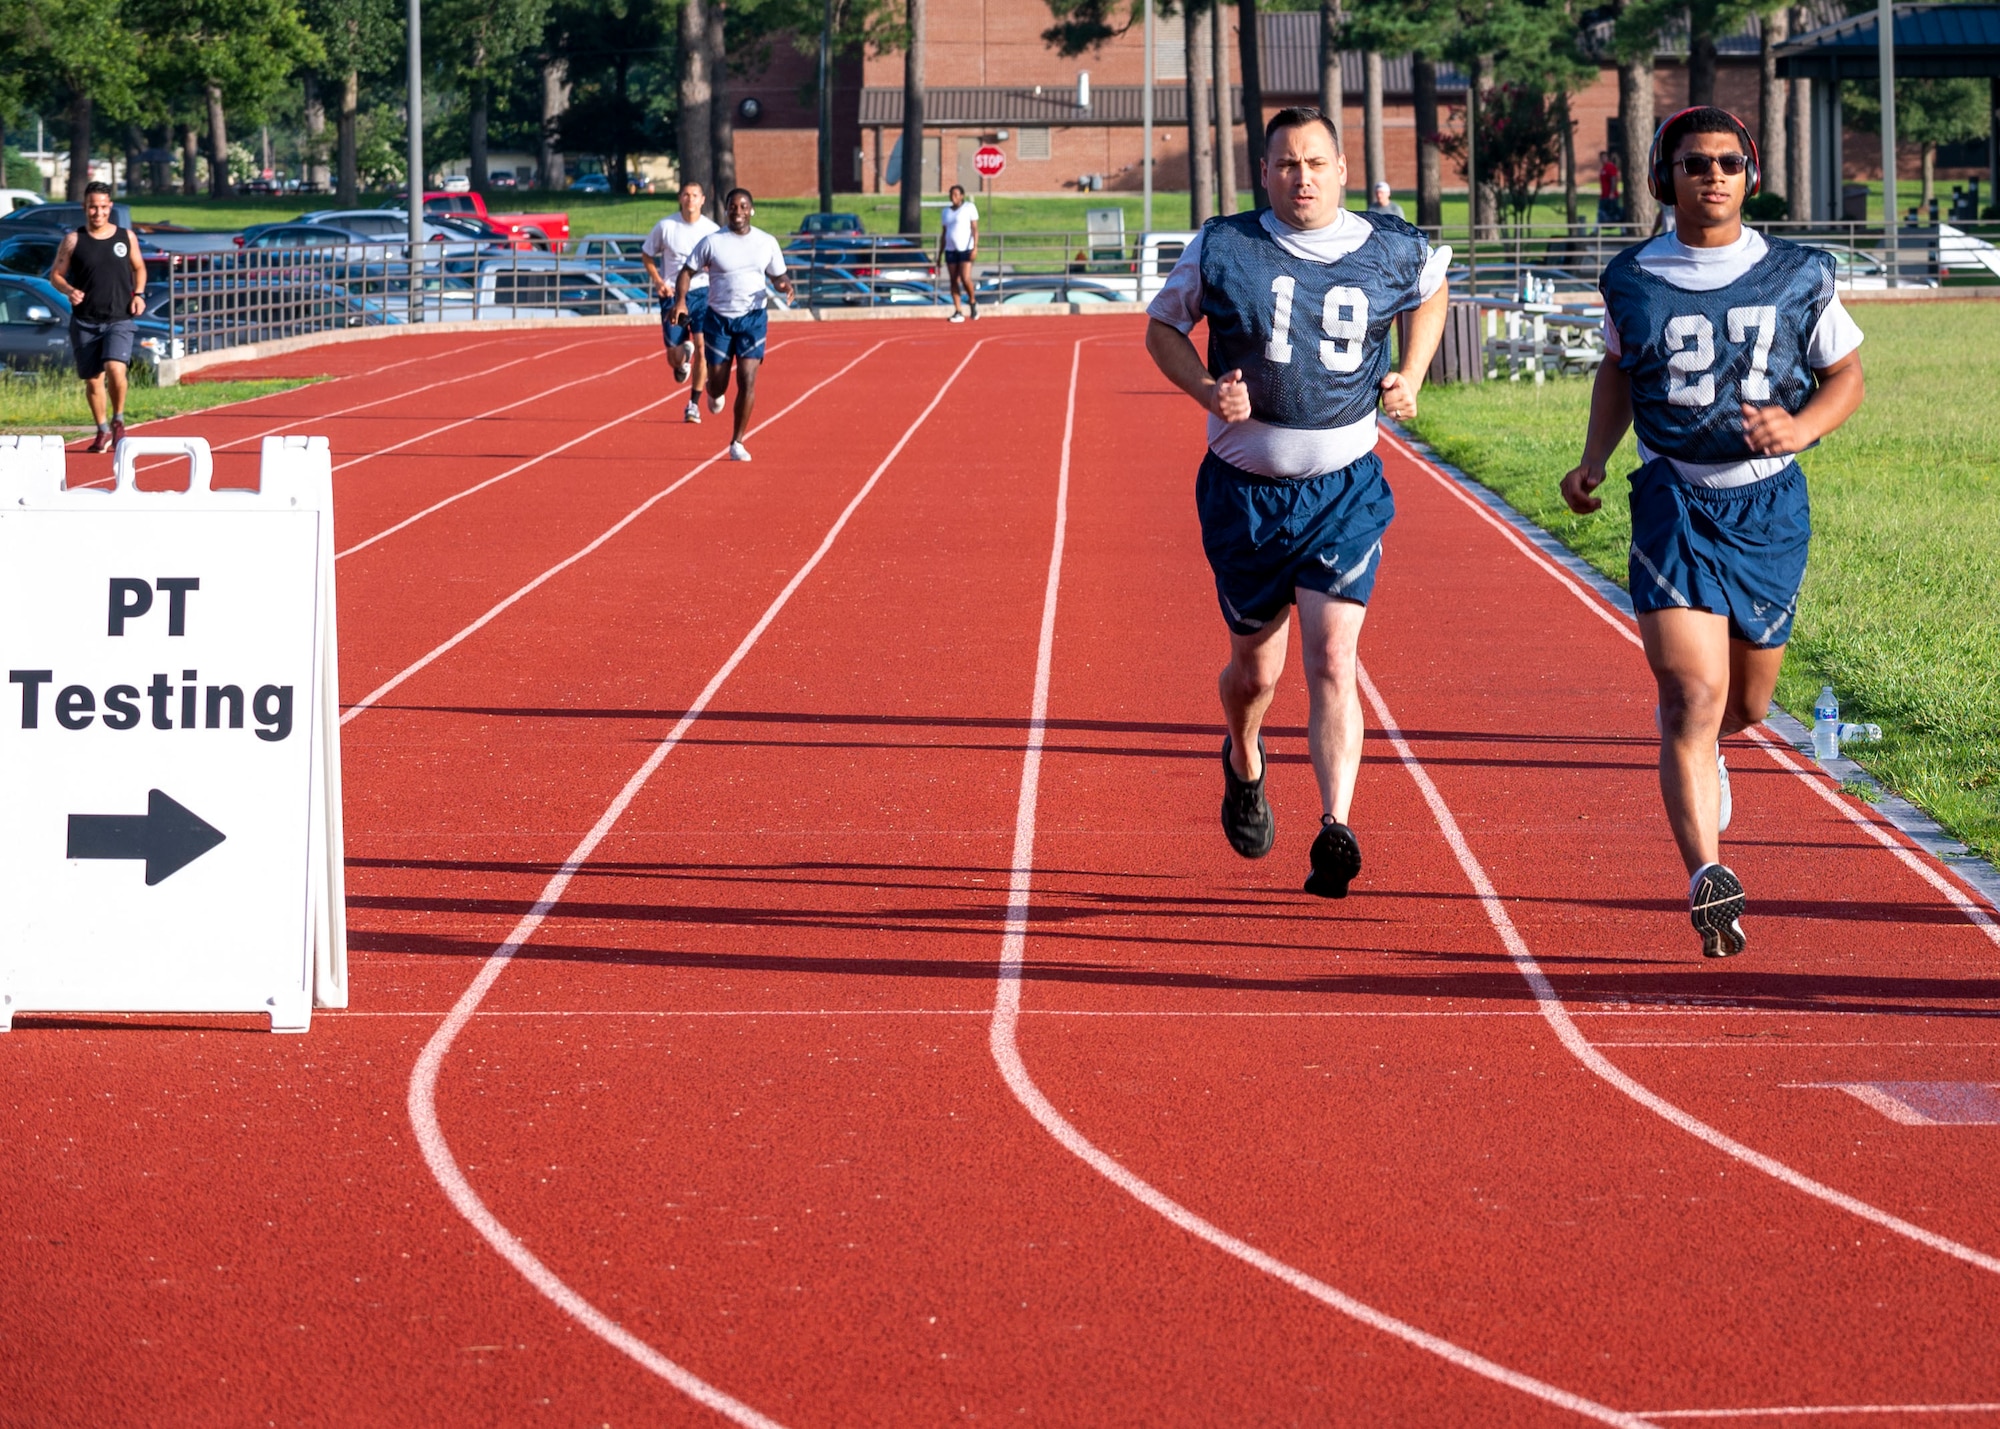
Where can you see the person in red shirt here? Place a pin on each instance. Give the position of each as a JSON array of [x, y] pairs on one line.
[[1609, 209]]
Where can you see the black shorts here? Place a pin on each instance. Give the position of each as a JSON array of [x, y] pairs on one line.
[[955, 256], [98, 343]]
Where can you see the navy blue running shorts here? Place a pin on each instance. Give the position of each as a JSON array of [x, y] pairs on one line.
[[1738, 551], [95, 344], [734, 337], [1267, 537], [676, 335]]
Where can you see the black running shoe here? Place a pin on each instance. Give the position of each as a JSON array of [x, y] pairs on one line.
[[1246, 816], [1714, 908], [1336, 861]]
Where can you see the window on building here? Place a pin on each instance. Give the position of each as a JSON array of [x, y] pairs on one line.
[[1033, 143], [1169, 48]]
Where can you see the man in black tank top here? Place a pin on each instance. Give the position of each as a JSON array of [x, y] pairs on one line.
[[98, 268]]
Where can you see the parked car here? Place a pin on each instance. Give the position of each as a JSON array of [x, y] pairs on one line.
[[548, 231], [11, 199], [1853, 268], [57, 216], [862, 255], [613, 252], [390, 225], [554, 287], [457, 184], [479, 230], [33, 253], [34, 328], [590, 184], [824, 287], [1020, 288], [831, 223]]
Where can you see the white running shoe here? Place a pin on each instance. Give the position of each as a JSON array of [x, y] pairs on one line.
[[715, 403], [680, 366], [693, 413], [956, 316], [1723, 809], [738, 452]]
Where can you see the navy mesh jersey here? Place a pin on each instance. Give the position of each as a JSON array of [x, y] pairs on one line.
[[1694, 358], [1311, 338]]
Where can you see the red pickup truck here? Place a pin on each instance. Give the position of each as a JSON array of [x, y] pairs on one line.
[[540, 230]]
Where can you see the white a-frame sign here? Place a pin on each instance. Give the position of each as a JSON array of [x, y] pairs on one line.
[[170, 835]]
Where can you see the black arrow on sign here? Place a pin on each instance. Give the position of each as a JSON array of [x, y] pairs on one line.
[[167, 836]]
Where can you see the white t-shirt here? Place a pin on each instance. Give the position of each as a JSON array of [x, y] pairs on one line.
[[1291, 452], [1703, 270], [673, 238], [958, 226], [738, 264]]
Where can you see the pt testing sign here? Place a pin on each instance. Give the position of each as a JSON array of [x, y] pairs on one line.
[[170, 836]]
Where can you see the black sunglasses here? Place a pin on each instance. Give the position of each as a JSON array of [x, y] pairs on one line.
[[1696, 166]]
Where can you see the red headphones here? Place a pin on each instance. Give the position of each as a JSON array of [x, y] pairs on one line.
[[1659, 167]]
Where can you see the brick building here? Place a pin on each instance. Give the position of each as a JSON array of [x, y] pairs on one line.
[[992, 80]]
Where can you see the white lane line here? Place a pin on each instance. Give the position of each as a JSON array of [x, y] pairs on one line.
[[454, 425], [1619, 622], [368, 700], [423, 1078], [1007, 1015], [1820, 785], [618, 421], [1801, 1411], [393, 396], [1558, 1018], [341, 411]]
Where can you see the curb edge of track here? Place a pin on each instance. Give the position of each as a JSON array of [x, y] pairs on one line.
[[1908, 818]]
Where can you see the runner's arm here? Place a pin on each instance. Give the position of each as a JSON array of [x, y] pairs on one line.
[[1181, 365], [1610, 415], [59, 270], [660, 284], [680, 310], [138, 275], [1772, 431], [1400, 388]]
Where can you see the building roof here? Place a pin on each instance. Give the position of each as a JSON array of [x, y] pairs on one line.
[[1288, 56], [1932, 41]]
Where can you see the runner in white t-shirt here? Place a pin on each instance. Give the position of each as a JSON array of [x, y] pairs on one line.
[[735, 261], [958, 245], [665, 251]]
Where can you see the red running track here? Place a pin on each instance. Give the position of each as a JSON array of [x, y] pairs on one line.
[[731, 1130]]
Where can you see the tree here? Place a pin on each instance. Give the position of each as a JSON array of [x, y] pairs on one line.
[[1929, 112], [80, 56], [359, 37], [1519, 139], [480, 44], [238, 54], [697, 117], [909, 206]]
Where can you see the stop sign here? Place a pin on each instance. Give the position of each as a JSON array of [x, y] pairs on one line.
[[989, 161]]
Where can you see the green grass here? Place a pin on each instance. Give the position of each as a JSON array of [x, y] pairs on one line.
[[55, 404], [1901, 609]]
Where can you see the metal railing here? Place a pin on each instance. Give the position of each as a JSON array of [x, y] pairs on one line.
[[230, 298]]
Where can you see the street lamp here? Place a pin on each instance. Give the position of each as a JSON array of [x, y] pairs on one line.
[[416, 177]]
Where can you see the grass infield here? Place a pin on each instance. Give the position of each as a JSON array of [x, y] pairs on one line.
[[1901, 608], [55, 404]]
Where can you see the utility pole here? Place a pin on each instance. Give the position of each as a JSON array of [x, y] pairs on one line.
[[416, 176]]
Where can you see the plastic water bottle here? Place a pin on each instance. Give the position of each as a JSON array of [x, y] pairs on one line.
[[1826, 725], [1865, 733]]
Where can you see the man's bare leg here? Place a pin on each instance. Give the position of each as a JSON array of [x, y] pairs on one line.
[[115, 380], [1710, 686], [93, 393], [746, 393], [1246, 685], [1329, 636]]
